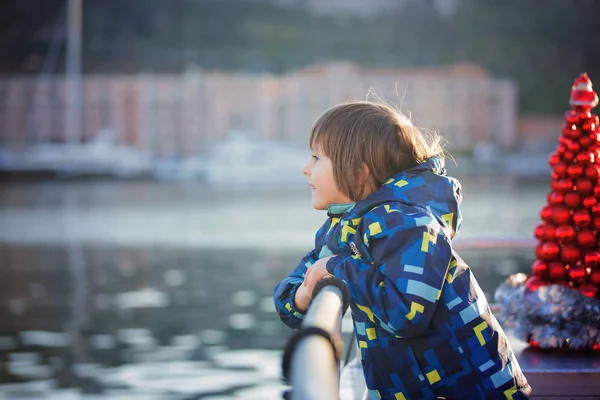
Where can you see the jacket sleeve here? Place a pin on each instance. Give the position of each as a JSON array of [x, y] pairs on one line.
[[285, 290], [397, 278]]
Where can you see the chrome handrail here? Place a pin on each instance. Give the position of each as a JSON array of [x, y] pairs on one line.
[[314, 351]]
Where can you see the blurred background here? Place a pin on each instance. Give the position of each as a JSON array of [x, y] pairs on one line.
[[150, 156]]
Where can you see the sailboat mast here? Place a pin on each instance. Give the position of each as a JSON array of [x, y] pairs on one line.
[[73, 120]]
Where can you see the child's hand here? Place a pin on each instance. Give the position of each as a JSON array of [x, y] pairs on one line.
[[315, 273]]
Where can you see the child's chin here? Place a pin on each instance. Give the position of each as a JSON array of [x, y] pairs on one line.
[[319, 206]]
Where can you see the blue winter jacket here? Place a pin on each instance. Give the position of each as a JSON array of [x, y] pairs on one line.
[[423, 326]]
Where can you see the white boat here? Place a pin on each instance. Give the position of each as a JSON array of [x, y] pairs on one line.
[[240, 160]]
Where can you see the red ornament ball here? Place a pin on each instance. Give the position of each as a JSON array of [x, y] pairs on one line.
[[584, 158], [555, 198], [568, 156], [588, 125], [592, 259], [539, 268], [557, 270], [586, 238], [570, 254], [591, 172], [547, 251], [561, 149], [544, 231], [567, 129], [553, 158], [590, 202], [565, 185], [565, 234], [560, 215], [597, 189], [585, 142], [588, 290], [554, 184], [572, 200], [533, 283], [572, 117], [596, 224], [546, 213], [595, 277], [560, 169], [574, 171], [577, 273], [584, 186], [573, 147], [581, 218], [585, 114]]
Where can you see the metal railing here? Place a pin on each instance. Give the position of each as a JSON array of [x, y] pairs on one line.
[[311, 360]]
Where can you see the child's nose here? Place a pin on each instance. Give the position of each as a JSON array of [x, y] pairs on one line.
[[306, 169]]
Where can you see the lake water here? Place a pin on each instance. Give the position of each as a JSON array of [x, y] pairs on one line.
[[146, 290]]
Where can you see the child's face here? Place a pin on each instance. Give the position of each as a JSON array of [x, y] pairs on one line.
[[319, 172]]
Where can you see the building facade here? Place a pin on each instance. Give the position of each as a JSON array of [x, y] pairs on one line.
[[181, 115]]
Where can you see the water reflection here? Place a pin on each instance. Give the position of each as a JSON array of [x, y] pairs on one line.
[[142, 291], [154, 320]]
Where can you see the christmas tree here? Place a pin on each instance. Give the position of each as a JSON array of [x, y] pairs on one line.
[[558, 305], [567, 252]]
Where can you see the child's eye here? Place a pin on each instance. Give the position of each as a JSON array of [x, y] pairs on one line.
[[315, 157]]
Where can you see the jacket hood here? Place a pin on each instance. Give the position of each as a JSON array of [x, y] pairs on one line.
[[425, 185]]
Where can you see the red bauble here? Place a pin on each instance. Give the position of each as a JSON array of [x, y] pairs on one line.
[[539, 268], [595, 277], [573, 147], [584, 186], [585, 142], [581, 218], [553, 158], [544, 231], [596, 224], [575, 134], [596, 209], [592, 259], [588, 290], [574, 171], [572, 117], [547, 251], [566, 132], [546, 213], [588, 125], [586, 114], [572, 200], [555, 198], [597, 190], [568, 156], [554, 185], [533, 283], [561, 149], [560, 169], [584, 158], [560, 215], [565, 234], [557, 270], [577, 273], [565, 185], [586, 238], [570, 254], [590, 202], [591, 172]]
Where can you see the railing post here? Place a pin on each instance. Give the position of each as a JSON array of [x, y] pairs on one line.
[[312, 356]]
